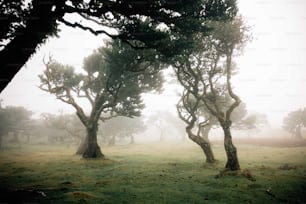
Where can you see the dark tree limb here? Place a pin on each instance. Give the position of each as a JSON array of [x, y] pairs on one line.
[[41, 24]]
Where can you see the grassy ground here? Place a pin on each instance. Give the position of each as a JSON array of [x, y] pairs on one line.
[[151, 173]]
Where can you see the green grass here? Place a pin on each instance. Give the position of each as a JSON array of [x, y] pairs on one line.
[[151, 173]]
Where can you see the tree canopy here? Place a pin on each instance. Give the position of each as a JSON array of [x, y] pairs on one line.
[[163, 25], [114, 78]]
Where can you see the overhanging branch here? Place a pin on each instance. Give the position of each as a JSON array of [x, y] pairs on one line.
[[86, 28]]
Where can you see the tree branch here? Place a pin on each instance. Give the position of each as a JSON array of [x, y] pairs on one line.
[[86, 28], [229, 87]]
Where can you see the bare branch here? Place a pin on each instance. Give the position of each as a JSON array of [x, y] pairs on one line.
[[86, 28], [229, 87]]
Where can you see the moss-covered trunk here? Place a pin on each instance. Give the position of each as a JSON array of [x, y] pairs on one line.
[[92, 149], [231, 151]]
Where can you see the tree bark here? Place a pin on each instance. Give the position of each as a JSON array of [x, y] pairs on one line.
[[205, 146], [231, 151], [92, 149]]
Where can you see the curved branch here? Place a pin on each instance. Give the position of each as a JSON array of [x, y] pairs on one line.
[[86, 28], [229, 87]]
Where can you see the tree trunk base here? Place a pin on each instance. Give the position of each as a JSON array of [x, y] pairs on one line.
[[232, 158], [205, 146], [232, 163], [93, 153]]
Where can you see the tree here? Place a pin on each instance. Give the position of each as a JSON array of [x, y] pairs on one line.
[[121, 127], [61, 124], [239, 116], [200, 121], [108, 86], [162, 25], [13, 119], [294, 122], [197, 128], [165, 120], [206, 76]]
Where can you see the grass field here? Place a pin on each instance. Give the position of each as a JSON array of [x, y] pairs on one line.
[[151, 173]]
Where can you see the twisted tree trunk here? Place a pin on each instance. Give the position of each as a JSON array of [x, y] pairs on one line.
[[205, 146], [231, 151]]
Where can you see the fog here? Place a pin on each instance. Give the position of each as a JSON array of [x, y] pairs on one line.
[[271, 71], [47, 155]]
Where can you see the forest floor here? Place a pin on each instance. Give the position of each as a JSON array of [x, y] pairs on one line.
[[152, 173]]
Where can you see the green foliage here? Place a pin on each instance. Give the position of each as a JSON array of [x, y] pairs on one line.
[[166, 26], [12, 13], [136, 22], [207, 71], [229, 36], [115, 77]]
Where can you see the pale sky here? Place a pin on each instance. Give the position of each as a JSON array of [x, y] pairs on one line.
[[272, 69]]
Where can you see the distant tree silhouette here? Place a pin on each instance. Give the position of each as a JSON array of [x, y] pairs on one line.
[[12, 119], [294, 122]]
